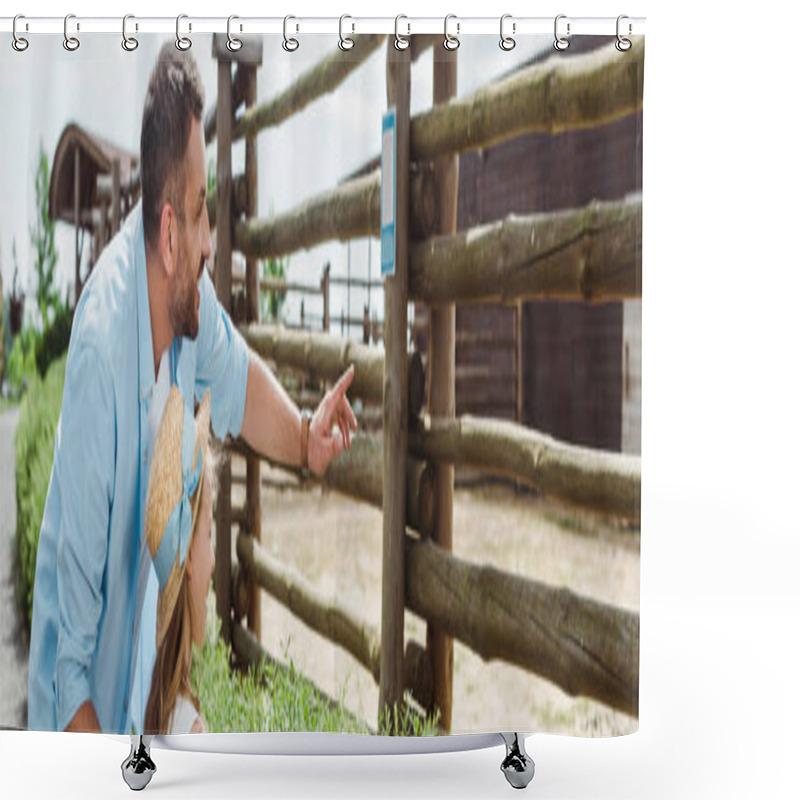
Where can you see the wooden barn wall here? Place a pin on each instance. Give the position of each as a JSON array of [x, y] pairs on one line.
[[572, 372], [573, 355], [632, 377], [562, 341]]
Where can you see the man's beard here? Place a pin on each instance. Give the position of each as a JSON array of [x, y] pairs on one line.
[[183, 312]]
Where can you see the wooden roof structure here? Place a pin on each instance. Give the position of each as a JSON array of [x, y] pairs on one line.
[[89, 156]]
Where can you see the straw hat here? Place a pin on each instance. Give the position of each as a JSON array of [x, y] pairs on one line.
[[173, 497]]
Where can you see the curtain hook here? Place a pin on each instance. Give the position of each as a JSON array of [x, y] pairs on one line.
[[19, 43], [289, 45], [181, 42], [233, 44], [345, 44], [70, 42], [450, 42], [400, 42], [623, 44], [506, 42], [561, 43], [128, 42]]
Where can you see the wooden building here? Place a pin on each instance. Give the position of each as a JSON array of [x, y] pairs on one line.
[[569, 369], [93, 185]]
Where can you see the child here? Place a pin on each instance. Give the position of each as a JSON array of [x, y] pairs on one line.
[[178, 529]]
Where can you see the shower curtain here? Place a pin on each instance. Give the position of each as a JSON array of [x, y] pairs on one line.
[[469, 559]]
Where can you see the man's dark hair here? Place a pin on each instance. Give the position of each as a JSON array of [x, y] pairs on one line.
[[174, 96]]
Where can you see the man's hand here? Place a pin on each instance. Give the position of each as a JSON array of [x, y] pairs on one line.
[[325, 444]]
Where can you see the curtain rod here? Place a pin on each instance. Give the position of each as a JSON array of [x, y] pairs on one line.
[[457, 26]]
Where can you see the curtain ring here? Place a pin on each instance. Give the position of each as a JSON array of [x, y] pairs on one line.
[[623, 44], [400, 42], [450, 42], [289, 45], [70, 42], [128, 42], [345, 44], [561, 43], [181, 42], [506, 42], [233, 44], [19, 43]]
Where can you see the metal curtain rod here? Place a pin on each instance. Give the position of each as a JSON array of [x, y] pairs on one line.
[[458, 26]]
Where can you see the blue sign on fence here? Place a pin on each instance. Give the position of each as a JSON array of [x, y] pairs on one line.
[[388, 190]]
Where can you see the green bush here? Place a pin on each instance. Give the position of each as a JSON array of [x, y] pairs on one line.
[[34, 441], [54, 340]]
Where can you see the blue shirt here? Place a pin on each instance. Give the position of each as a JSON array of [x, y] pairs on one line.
[[88, 595]]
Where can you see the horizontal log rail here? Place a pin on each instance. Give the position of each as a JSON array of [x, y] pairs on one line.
[[323, 78], [583, 646], [357, 473], [591, 254], [348, 211], [280, 285], [550, 97], [331, 619], [323, 355], [320, 80], [594, 479]]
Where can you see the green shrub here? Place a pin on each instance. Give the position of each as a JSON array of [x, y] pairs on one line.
[[22, 360], [54, 340], [34, 441]]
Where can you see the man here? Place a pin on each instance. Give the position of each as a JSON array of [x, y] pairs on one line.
[[147, 318]]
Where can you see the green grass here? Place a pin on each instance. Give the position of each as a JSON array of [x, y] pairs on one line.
[[273, 698]]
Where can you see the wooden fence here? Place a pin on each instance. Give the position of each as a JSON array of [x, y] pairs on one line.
[[590, 254]]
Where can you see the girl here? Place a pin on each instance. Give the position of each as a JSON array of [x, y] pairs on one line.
[[180, 496]]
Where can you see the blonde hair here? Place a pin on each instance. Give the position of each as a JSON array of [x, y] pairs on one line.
[[171, 671]]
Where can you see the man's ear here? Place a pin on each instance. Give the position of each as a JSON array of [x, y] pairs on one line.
[[167, 242]]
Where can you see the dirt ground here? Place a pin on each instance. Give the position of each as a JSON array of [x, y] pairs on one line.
[[335, 543]]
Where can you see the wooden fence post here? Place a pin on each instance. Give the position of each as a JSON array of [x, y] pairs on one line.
[[442, 372], [223, 281], [77, 201], [248, 57], [253, 501], [115, 196], [325, 286], [395, 398]]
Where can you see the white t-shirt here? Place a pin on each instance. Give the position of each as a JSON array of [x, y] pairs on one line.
[[184, 716], [147, 584]]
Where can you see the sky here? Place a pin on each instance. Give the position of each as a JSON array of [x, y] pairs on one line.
[[102, 88]]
